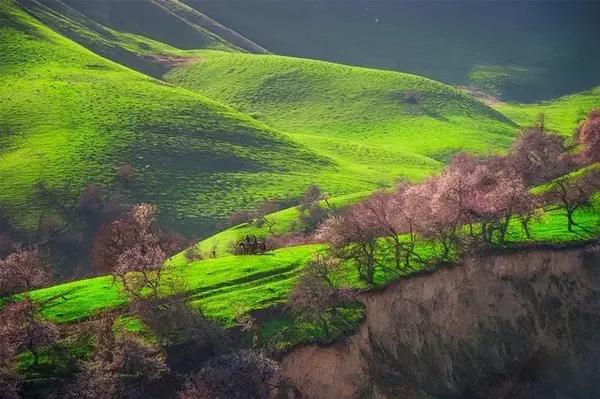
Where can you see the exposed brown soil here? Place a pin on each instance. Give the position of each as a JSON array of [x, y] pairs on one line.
[[524, 319]]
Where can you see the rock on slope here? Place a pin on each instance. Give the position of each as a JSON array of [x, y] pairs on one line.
[[484, 329]]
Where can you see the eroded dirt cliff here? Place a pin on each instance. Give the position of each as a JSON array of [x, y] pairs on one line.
[[507, 325]]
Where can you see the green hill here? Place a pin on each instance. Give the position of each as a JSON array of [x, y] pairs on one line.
[[69, 117], [562, 114], [378, 124], [221, 243], [230, 284]]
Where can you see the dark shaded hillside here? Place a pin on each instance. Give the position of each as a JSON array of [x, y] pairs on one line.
[[113, 30], [519, 50], [168, 21]]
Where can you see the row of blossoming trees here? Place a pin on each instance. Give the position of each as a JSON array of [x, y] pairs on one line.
[[474, 200], [474, 203]]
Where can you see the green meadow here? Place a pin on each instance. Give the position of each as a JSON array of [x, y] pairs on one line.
[[69, 117], [283, 221], [562, 114], [224, 130], [229, 285], [372, 121]]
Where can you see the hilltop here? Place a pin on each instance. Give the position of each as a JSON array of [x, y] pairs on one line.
[[70, 117], [562, 114], [380, 124]]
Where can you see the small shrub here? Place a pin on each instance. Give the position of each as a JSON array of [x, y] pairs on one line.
[[193, 254], [125, 172], [411, 97]]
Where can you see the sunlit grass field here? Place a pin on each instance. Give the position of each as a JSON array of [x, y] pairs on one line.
[[69, 117], [361, 116], [284, 221], [562, 115], [222, 134], [228, 285]]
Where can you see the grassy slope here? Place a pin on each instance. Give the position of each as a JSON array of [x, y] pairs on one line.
[[68, 116], [562, 114], [284, 220], [376, 124], [221, 286], [229, 285], [165, 19], [168, 21], [226, 285]]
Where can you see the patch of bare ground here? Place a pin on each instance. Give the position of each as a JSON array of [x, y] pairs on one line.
[[171, 61], [482, 96]]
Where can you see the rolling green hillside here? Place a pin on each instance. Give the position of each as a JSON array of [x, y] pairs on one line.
[[221, 243], [379, 124], [137, 52], [69, 117], [562, 114]]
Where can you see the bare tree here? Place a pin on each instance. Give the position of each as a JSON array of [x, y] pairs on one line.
[[26, 329], [135, 250], [312, 195], [22, 271], [386, 209], [589, 137], [240, 375], [571, 192], [353, 236], [263, 214], [538, 156], [10, 342], [311, 211], [314, 297], [122, 366]]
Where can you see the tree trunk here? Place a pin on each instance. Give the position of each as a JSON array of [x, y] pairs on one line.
[[570, 220], [525, 225], [325, 327], [503, 229], [36, 357]]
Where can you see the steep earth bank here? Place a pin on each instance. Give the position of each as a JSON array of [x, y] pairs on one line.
[[524, 324]]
